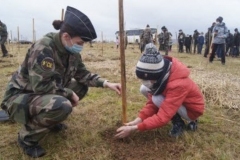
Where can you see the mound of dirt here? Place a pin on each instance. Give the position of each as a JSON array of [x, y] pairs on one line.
[[149, 145]]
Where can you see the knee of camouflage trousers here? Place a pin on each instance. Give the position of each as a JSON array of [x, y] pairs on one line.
[[54, 110], [44, 110]]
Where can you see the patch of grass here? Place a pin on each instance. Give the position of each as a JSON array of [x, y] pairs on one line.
[[93, 123]]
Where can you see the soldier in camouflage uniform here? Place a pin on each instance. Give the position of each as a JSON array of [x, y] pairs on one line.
[[146, 37], [166, 37], [51, 80], [3, 38], [160, 41]]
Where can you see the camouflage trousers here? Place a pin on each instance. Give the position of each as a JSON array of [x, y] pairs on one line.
[[38, 113], [166, 48], [143, 44]]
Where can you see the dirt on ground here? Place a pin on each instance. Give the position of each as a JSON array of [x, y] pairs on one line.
[[149, 145]]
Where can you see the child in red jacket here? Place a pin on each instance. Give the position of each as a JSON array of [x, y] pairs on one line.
[[172, 95]]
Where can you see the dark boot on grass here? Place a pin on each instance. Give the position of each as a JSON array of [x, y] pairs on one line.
[[178, 126], [192, 126], [33, 151], [58, 127]]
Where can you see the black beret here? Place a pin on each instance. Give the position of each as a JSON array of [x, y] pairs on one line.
[[80, 23], [163, 27], [220, 19]]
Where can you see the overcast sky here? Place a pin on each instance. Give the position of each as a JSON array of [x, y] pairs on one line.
[[187, 15]]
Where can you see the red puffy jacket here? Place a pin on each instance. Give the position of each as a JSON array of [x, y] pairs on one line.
[[180, 90]]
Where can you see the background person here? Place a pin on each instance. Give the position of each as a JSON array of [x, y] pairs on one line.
[[220, 32], [187, 43], [200, 43], [181, 41], [195, 40], [229, 43], [166, 38], [3, 38], [146, 37], [236, 42]]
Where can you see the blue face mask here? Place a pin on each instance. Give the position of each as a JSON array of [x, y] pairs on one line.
[[75, 48]]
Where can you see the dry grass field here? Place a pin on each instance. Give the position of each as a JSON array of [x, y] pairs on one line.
[[92, 124]]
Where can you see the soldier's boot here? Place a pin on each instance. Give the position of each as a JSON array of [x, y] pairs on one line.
[[192, 126], [33, 150], [58, 127], [5, 55], [178, 126]]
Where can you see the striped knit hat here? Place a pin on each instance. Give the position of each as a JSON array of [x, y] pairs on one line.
[[151, 64]]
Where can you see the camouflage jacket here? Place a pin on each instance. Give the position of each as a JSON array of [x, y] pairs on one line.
[[166, 37], [47, 69], [3, 30], [146, 36]]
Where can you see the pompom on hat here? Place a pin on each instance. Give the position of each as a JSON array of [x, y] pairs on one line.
[[151, 63]]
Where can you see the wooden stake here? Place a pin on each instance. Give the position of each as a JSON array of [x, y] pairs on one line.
[[33, 31], [11, 35], [102, 42], [122, 56], [191, 45], [18, 33], [156, 37], [62, 14], [210, 46], [177, 42], [18, 53]]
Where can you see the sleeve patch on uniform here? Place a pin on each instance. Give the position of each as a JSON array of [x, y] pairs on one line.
[[47, 64]]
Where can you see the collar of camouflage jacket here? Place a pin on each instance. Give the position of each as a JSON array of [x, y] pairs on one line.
[[59, 44]]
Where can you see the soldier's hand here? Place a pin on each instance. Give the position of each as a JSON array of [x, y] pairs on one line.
[[74, 99], [114, 86]]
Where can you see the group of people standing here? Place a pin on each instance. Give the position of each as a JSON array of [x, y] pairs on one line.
[[232, 43], [164, 39], [218, 41], [197, 40]]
